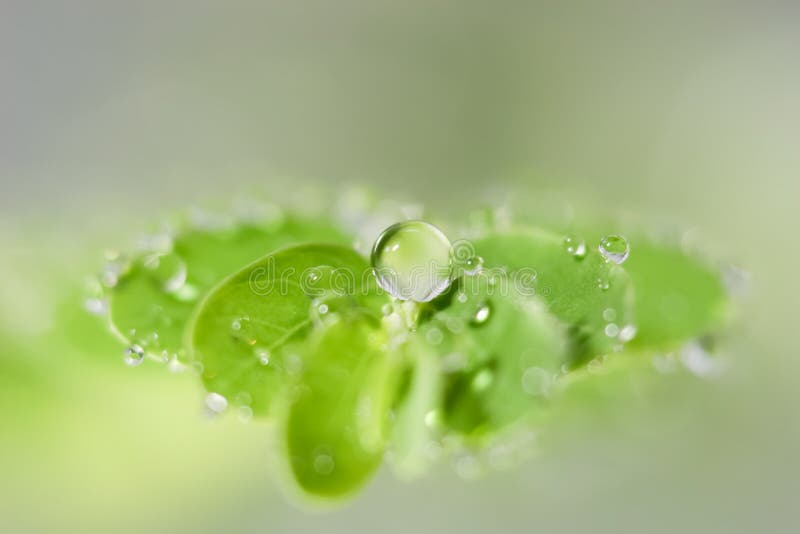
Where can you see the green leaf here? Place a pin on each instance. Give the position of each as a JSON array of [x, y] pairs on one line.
[[502, 352], [677, 297], [333, 423], [241, 327], [149, 306], [578, 290]]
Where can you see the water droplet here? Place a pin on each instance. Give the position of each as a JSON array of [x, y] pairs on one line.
[[134, 355], [482, 380], [627, 333], [609, 314], [236, 324], [411, 261], [473, 265], [462, 297], [482, 313], [575, 246], [323, 464], [612, 330], [96, 306], [699, 362], [263, 356], [322, 309], [537, 382], [455, 325], [614, 248], [216, 403], [602, 283], [434, 336], [245, 413], [433, 419]]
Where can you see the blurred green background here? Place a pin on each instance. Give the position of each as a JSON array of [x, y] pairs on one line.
[[112, 114]]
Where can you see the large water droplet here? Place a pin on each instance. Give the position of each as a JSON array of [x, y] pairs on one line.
[[134, 355], [575, 246], [411, 261], [614, 248]]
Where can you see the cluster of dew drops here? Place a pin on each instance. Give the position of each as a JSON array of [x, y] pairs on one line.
[[428, 246]]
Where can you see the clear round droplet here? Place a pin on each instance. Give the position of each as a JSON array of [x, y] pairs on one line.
[[575, 246], [482, 313], [411, 261], [473, 265], [134, 355], [612, 330], [614, 248], [263, 356]]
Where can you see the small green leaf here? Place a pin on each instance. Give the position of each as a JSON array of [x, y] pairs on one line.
[[241, 327], [677, 297], [501, 354], [332, 421], [418, 409], [151, 304], [579, 290]]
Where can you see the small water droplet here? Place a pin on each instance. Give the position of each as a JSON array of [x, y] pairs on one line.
[[411, 261], [322, 309], [96, 306], [614, 248], [236, 324], [473, 265], [575, 246], [245, 413], [434, 336], [216, 403], [627, 333], [455, 325], [324, 464], [263, 356], [482, 313], [699, 362], [612, 330], [462, 297], [610, 314], [537, 382], [433, 419], [602, 283], [482, 380], [134, 355]]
